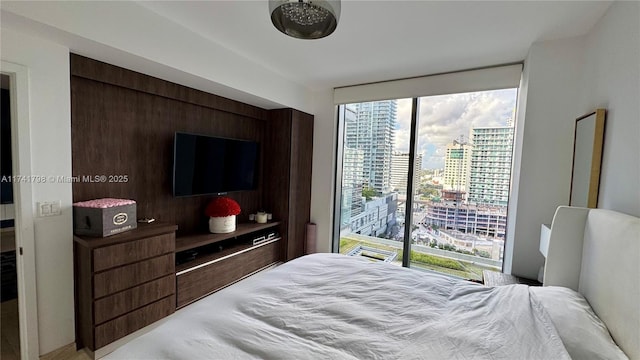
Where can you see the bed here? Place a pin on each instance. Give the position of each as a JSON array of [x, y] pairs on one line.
[[330, 306]]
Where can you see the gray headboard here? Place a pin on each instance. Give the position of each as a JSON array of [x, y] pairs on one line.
[[597, 253]]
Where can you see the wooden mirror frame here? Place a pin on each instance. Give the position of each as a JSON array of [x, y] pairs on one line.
[[588, 143]]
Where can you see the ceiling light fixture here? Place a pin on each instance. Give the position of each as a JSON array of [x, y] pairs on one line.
[[305, 19]]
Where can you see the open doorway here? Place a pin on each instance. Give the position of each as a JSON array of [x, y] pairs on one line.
[[9, 319], [16, 143]]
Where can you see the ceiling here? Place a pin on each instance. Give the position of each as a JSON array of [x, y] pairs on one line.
[[384, 40]]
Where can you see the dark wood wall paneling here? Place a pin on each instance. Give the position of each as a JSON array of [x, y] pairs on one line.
[[288, 174], [123, 123], [114, 75], [276, 168], [300, 185]]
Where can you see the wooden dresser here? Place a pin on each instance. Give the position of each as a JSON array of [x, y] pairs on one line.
[[123, 282]]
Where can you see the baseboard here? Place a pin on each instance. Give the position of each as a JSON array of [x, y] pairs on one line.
[[63, 353]]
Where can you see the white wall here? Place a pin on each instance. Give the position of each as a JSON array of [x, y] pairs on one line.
[[129, 35], [323, 172], [514, 189], [553, 80], [612, 81], [563, 80], [49, 112]]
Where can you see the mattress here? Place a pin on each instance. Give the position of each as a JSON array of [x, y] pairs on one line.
[[331, 306]]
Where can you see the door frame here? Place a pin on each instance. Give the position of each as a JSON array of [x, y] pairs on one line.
[[23, 204]]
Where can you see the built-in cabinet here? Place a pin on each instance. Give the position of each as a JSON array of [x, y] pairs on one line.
[[123, 123], [123, 283], [208, 262], [130, 280], [287, 176]]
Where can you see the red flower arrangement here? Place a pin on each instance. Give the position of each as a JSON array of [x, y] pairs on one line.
[[221, 207]]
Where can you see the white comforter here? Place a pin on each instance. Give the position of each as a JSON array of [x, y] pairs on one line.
[[329, 306]]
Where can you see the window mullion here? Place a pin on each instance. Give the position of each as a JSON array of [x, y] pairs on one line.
[[408, 213], [337, 200]]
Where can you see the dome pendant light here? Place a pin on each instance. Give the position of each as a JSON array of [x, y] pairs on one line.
[[305, 19]]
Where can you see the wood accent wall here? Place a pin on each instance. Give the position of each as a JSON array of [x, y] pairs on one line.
[[288, 175], [123, 123]]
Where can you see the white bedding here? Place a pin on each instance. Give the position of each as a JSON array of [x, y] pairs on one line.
[[329, 306], [583, 334]]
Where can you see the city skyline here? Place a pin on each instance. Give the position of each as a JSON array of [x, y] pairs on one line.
[[444, 118], [375, 173]]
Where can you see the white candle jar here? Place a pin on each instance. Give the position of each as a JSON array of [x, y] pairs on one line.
[[261, 217]]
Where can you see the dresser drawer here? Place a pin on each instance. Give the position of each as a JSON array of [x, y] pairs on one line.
[[121, 254], [111, 281], [197, 283], [124, 325], [121, 303]]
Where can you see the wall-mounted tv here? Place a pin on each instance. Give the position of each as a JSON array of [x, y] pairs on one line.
[[212, 165]]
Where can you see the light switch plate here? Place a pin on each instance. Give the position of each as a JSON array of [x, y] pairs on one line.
[[55, 207], [48, 208]]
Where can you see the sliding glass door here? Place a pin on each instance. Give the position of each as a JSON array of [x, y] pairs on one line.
[[424, 182]]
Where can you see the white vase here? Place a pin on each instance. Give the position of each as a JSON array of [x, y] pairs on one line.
[[222, 225]]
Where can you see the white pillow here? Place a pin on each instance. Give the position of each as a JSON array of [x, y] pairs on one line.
[[584, 335]]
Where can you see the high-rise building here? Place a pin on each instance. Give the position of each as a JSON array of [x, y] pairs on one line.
[[368, 147], [372, 132], [490, 165], [400, 171], [352, 180], [352, 170], [457, 166]]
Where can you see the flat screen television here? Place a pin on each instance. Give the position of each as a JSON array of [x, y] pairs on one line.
[[212, 165]]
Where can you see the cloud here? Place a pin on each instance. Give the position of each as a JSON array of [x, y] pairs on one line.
[[446, 117]]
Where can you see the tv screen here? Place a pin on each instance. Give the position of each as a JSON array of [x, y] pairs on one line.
[[211, 165]]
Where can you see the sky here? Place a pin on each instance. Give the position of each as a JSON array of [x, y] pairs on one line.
[[444, 118]]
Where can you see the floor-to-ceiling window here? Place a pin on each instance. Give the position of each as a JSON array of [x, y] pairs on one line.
[[370, 220], [424, 182]]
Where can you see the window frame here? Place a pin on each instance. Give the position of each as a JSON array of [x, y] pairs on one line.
[[476, 80]]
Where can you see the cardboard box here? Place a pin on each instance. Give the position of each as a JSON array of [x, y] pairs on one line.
[[104, 217]]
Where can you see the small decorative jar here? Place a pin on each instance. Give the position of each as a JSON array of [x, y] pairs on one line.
[[222, 213], [261, 217]]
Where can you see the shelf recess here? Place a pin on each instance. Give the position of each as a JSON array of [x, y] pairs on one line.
[[188, 242]]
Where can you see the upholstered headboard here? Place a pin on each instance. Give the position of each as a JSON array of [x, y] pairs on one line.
[[597, 253]]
